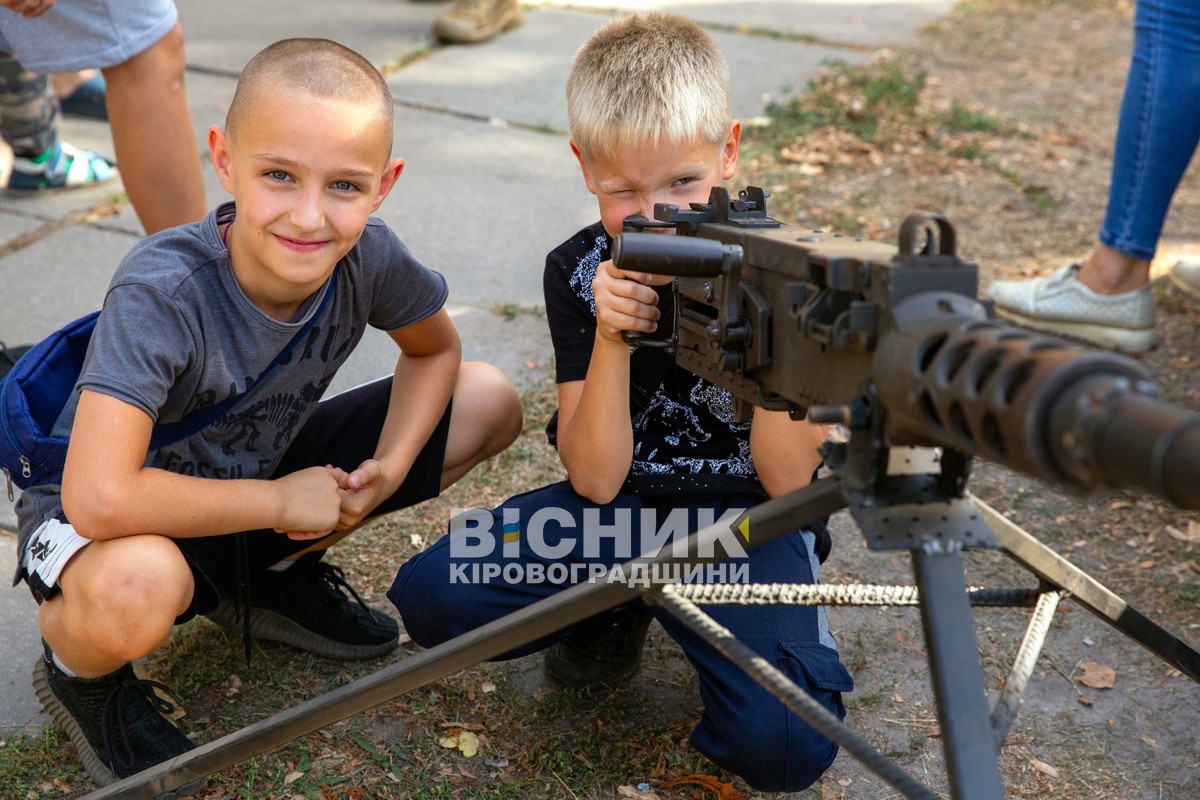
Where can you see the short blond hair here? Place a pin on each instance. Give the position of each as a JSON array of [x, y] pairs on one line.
[[647, 79], [320, 67]]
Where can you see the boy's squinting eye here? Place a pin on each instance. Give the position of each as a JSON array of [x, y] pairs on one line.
[[684, 181]]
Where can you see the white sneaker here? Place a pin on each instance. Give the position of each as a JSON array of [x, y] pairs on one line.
[[1186, 277], [1061, 304]]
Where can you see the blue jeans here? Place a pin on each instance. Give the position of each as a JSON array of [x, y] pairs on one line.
[[743, 728], [1159, 126]]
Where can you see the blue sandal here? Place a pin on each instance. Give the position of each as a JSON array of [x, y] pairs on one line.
[[88, 100]]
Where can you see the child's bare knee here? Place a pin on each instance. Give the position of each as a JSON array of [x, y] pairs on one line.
[[494, 402], [125, 597]]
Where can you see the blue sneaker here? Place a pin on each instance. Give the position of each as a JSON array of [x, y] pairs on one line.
[[63, 166]]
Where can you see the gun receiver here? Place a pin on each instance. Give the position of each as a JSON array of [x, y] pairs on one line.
[[892, 342]]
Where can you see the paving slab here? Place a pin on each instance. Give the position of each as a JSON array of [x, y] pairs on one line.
[[484, 204], [57, 279], [223, 34], [853, 22], [521, 76], [20, 711], [516, 340], [13, 225]]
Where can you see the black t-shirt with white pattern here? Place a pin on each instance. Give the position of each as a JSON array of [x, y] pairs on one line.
[[683, 425]]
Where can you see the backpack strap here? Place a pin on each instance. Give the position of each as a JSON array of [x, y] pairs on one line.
[[173, 432]]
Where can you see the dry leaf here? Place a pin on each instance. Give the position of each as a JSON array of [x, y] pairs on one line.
[[466, 742], [1191, 536], [628, 790], [292, 777], [1147, 564], [1149, 742], [1097, 676], [487, 687], [721, 791], [1043, 767]]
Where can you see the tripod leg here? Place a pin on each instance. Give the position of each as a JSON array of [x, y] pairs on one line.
[[957, 675], [1090, 593]]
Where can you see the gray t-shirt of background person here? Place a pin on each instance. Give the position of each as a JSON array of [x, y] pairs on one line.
[[177, 333]]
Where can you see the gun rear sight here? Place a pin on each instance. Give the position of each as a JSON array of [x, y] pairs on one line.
[[893, 340]]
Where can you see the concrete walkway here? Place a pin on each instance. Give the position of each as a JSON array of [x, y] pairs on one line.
[[488, 188]]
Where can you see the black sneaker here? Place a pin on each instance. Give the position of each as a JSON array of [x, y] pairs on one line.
[[602, 651], [115, 722], [310, 605]]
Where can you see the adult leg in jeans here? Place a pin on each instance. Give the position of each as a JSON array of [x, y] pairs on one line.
[[1105, 299], [153, 137], [1157, 135]]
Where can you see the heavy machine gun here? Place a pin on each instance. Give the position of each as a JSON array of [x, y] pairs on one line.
[[893, 344]]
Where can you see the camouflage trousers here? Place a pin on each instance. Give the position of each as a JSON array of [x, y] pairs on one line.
[[28, 109]]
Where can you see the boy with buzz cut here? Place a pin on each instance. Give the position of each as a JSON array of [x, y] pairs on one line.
[[232, 521], [648, 104]]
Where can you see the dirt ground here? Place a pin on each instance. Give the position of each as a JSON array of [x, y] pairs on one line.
[[1002, 118]]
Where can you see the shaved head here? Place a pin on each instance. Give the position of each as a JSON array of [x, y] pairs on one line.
[[316, 67]]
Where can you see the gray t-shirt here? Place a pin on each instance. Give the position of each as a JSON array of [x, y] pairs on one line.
[[177, 333]]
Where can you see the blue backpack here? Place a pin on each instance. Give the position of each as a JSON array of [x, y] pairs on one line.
[[34, 393]]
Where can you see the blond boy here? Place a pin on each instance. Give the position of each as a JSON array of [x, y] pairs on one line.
[[648, 104], [133, 543]]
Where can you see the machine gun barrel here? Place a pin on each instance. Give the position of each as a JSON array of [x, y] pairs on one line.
[[1077, 418]]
